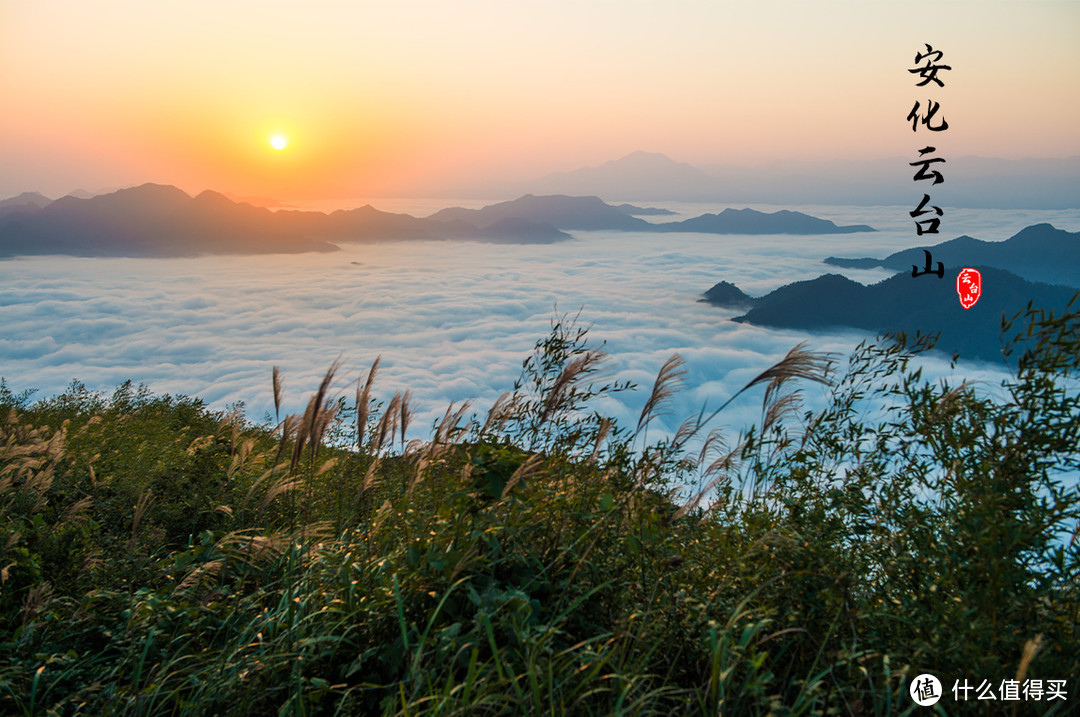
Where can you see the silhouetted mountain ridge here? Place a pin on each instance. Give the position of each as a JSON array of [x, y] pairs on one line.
[[150, 220], [750, 221], [636, 211], [1040, 252], [639, 175], [154, 220], [24, 201], [592, 213], [163, 221], [901, 303], [564, 212]]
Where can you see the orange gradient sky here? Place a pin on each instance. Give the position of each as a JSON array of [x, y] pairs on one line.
[[378, 99]]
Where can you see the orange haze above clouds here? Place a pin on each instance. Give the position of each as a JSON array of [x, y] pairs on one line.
[[413, 97]]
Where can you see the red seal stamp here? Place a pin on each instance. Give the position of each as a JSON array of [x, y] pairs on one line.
[[969, 287]]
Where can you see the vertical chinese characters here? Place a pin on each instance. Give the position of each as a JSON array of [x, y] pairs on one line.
[[930, 120]]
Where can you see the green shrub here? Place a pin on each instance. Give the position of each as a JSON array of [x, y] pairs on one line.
[[162, 558]]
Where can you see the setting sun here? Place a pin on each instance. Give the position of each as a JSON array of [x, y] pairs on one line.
[[278, 142]]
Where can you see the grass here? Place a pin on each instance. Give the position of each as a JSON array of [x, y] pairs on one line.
[[161, 558]]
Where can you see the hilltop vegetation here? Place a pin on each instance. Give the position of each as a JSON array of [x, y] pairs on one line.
[[162, 558]]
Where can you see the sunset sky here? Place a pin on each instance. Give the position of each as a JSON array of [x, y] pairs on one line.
[[378, 99]]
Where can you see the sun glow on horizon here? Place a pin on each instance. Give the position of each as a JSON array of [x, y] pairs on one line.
[[360, 100]]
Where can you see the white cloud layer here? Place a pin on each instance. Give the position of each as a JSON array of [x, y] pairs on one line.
[[452, 320]]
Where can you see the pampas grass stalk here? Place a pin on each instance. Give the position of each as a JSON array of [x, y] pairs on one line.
[[669, 380], [798, 363], [279, 391], [363, 399], [570, 375]]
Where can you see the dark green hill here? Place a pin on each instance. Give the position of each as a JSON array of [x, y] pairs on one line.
[[1037, 253], [901, 303], [727, 295]]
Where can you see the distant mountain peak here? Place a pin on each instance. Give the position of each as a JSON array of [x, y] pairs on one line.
[[650, 161], [653, 176], [637, 175], [149, 187], [149, 191], [751, 221], [26, 200], [641, 157], [727, 295], [209, 196], [559, 210], [650, 155], [1041, 229]]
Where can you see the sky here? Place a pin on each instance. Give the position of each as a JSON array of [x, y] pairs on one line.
[[407, 98]]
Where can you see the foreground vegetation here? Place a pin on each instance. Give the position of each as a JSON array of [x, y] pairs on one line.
[[161, 558]]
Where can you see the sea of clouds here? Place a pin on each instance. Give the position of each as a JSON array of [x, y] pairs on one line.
[[452, 321]]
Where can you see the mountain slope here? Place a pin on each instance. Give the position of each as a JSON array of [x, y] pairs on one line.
[[902, 303], [973, 182], [1038, 253], [156, 220], [25, 201], [592, 213], [151, 220], [558, 210], [750, 221], [639, 175]]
